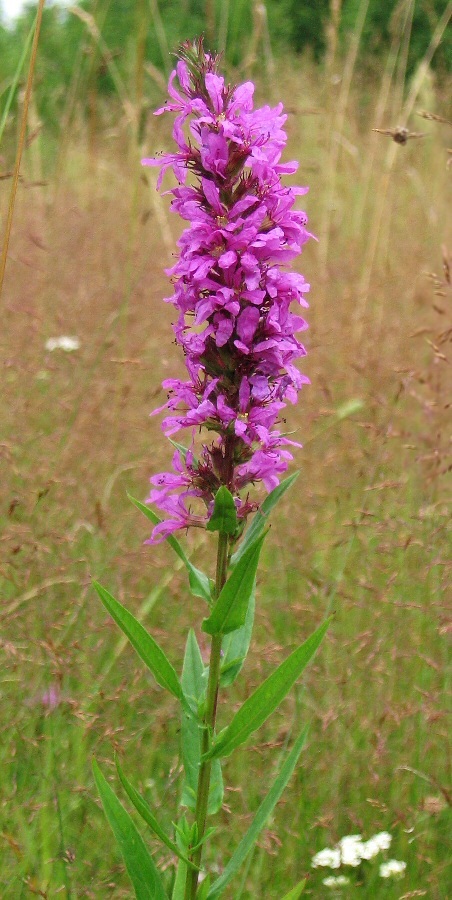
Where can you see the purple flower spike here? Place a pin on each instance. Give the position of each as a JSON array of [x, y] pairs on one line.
[[233, 293]]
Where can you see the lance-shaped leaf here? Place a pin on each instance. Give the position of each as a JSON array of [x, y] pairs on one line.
[[264, 811], [296, 891], [179, 882], [235, 647], [149, 651], [183, 450], [194, 686], [139, 863], [146, 813], [198, 581], [194, 682], [224, 516], [266, 698], [261, 517], [203, 889], [229, 611]]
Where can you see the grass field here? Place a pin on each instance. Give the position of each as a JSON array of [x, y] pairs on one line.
[[366, 532]]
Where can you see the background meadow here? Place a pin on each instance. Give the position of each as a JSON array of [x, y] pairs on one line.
[[366, 531]]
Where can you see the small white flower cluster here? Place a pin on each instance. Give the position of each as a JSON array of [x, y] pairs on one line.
[[394, 868], [63, 343], [351, 850], [335, 881]]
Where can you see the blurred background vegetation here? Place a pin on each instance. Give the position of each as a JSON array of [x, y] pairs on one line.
[[140, 32], [367, 530]]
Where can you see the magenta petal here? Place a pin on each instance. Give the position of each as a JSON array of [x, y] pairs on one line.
[[247, 324]]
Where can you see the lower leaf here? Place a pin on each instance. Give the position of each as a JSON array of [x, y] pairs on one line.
[[264, 811], [296, 891], [139, 863]]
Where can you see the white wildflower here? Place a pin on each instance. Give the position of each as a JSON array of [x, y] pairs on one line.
[[63, 343], [394, 868], [336, 881], [327, 857], [380, 841], [351, 849]]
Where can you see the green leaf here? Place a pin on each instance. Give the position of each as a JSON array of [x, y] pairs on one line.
[[260, 519], [203, 889], [235, 647], [180, 881], [183, 450], [266, 698], [264, 811], [145, 812], [229, 612], [198, 581], [148, 650], [224, 516], [139, 863], [194, 684], [296, 891]]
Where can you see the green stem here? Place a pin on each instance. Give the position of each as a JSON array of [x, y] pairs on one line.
[[205, 768]]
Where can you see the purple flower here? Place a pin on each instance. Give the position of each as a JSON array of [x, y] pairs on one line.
[[232, 292]]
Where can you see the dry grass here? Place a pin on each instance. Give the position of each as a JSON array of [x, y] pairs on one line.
[[366, 532]]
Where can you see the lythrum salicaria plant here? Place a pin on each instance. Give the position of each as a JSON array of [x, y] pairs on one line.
[[233, 293]]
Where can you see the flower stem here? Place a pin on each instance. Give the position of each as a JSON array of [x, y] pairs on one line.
[[205, 768]]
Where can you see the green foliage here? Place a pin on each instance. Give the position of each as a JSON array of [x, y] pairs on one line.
[[147, 815], [194, 683], [224, 516], [199, 582], [260, 519], [140, 865], [235, 647], [148, 650], [229, 612], [296, 892], [266, 698], [266, 808], [300, 25], [383, 20]]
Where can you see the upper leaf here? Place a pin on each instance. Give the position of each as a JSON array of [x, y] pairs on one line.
[[260, 519], [266, 698], [140, 865], [149, 651], [235, 647], [229, 612], [199, 582], [224, 516]]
